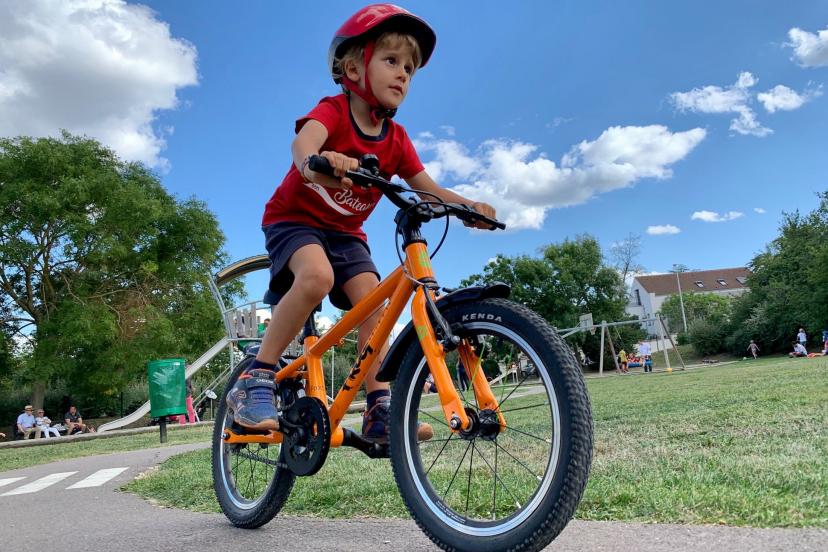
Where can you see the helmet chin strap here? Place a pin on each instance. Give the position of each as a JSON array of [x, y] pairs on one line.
[[377, 110]]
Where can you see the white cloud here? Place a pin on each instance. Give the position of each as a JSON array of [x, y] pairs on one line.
[[523, 184], [782, 98], [324, 323], [102, 68], [448, 129], [746, 123], [715, 99], [810, 49], [558, 121], [712, 216], [663, 229], [759, 210], [731, 99]]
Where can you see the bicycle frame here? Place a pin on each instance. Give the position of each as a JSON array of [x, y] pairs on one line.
[[396, 289]]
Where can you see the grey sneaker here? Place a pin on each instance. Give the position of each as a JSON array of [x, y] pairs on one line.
[[252, 400]]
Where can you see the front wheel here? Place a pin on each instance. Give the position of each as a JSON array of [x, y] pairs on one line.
[[486, 490]]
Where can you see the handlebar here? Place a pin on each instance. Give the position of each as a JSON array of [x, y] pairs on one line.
[[367, 175]]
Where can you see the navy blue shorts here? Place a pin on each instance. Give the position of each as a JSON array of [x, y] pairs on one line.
[[347, 254]]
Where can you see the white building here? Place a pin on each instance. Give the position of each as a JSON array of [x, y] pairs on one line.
[[648, 293]]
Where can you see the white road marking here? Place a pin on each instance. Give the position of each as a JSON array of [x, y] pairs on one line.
[[9, 481], [98, 478], [40, 484]]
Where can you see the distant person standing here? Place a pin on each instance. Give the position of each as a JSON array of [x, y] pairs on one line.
[[462, 376], [644, 355], [753, 349], [191, 413], [622, 361], [802, 338]]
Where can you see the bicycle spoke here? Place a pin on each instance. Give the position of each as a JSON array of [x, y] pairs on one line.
[[459, 464], [547, 441], [513, 390], [438, 420], [499, 479], [536, 476], [438, 454], [494, 488], [524, 407], [468, 483]]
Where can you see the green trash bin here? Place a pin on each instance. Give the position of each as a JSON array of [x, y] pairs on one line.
[[167, 387]]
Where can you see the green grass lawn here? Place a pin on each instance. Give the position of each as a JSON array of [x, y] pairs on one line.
[[741, 444], [15, 458]]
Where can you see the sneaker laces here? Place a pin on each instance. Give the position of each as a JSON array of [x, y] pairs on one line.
[[259, 393], [381, 410]]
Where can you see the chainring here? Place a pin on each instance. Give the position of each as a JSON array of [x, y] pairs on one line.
[[306, 445]]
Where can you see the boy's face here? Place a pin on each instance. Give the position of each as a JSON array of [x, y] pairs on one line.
[[389, 72]]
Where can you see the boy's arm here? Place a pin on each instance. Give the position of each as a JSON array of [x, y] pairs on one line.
[[422, 181], [311, 137]]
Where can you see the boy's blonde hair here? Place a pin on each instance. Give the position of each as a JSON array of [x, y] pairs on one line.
[[356, 53]]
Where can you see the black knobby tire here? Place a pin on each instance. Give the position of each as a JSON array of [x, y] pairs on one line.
[[497, 328], [249, 508]]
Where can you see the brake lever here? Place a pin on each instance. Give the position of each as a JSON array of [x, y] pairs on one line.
[[467, 214]]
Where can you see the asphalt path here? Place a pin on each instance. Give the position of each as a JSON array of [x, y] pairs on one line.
[[78, 512]]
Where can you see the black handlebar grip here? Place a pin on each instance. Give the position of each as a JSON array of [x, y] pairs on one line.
[[319, 164]]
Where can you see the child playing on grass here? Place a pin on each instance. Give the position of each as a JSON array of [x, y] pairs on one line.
[[622, 361], [313, 223], [753, 349]]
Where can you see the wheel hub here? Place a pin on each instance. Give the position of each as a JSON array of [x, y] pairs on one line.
[[489, 424]]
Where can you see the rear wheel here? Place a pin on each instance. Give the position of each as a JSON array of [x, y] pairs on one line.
[[251, 481], [487, 489]]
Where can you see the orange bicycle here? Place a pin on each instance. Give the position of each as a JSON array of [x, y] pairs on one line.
[[508, 462]]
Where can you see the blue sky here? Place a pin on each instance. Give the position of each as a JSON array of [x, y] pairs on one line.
[[606, 118]]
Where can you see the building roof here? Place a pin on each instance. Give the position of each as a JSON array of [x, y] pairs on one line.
[[723, 279]]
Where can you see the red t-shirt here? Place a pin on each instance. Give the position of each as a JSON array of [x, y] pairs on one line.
[[342, 210]]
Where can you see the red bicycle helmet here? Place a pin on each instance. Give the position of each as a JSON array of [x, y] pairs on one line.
[[366, 25]]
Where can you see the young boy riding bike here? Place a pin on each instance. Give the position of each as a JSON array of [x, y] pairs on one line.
[[313, 223]]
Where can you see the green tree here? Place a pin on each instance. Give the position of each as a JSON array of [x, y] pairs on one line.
[[569, 279], [710, 307], [788, 287], [103, 268]]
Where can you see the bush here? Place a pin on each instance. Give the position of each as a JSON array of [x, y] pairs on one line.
[[683, 338], [706, 337]]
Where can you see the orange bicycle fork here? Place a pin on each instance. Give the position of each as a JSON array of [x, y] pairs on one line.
[[393, 293]]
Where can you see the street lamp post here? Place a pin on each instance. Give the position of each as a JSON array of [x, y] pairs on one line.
[[678, 269]]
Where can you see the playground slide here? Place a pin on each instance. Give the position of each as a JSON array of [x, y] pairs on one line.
[[191, 369]]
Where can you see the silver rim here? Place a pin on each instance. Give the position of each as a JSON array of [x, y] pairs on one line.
[[460, 521], [240, 468]]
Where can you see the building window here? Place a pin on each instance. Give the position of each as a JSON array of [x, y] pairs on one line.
[[699, 284], [741, 279], [638, 297], [722, 283]]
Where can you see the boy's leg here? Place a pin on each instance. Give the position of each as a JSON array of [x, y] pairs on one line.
[[375, 423], [356, 288], [251, 399]]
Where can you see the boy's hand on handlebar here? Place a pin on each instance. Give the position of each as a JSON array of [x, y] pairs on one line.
[[340, 164], [484, 209]]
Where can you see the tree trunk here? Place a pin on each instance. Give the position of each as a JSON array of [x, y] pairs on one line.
[[38, 394]]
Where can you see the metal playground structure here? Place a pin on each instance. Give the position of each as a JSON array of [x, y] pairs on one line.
[[662, 338], [240, 325]]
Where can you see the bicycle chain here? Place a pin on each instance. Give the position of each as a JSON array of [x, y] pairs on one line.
[[257, 458]]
